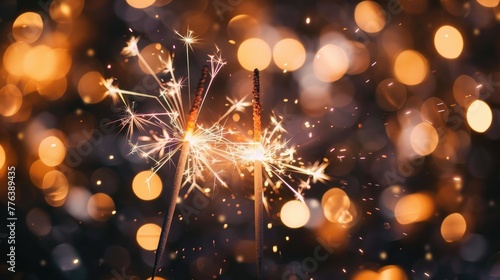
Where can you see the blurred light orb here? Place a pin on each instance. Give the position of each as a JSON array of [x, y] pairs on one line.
[[435, 112], [62, 63], [40, 63], [38, 170], [66, 257], [140, 4], [289, 54], [76, 203], [424, 139], [148, 236], [448, 42], [365, 275], [13, 57], [465, 90], [65, 11], [392, 272], [414, 208], [55, 188], [359, 59], [147, 185], [390, 94], [330, 63], [488, 3], [336, 203], [27, 27], [453, 227], [479, 116], [317, 218], [369, 16], [52, 151], [101, 207], [2, 156], [254, 53], [313, 99], [38, 222], [154, 55], [91, 87], [294, 214], [11, 100], [53, 89], [474, 248], [411, 68], [242, 27]]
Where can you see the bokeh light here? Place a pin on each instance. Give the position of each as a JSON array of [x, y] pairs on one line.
[[2, 156], [424, 139], [76, 203], [101, 207], [91, 87], [38, 222], [12, 99], [453, 227], [400, 98], [40, 63], [52, 151], [330, 63], [414, 208], [28, 27], [336, 204], [147, 185], [294, 214], [359, 60], [55, 187], [65, 11], [489, 3], [254, 53], [473, 248], [435, 112], [465, 90], [13, 57], [147, 236], [155, 56], [411, 67], [369, 16], [390, 94], [289, 54], [391, 272], [479, 116], [140, 4], [448, 42], [243, 27], [365, 275], [66, 257], [38, 169]]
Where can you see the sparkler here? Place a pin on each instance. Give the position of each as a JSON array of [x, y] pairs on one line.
[[257, 175], [163, 134], [179, 173]]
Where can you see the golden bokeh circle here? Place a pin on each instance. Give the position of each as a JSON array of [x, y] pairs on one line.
[[27, 27], [148, 236], [147, 185]]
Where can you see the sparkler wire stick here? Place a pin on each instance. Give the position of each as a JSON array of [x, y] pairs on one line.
[[179, 172], [257, 175]]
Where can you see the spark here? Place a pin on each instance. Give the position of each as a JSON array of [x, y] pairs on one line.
[[189, 39]]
